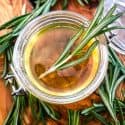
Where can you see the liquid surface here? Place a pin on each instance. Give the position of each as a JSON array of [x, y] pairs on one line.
[[44, 49]]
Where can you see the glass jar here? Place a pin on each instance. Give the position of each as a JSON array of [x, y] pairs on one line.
[[20, 72], [117, 42]]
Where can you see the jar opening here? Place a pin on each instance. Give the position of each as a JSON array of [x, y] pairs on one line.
[[24, 49]]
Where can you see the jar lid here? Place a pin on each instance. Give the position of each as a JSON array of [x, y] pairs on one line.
[[116, 37]]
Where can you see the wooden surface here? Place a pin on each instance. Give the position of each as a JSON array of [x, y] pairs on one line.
[[8, 10], [12, 8]]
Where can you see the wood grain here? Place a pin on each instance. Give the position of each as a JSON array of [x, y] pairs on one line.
[[5, 101]]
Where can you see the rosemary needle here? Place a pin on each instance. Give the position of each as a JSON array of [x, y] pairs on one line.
[[82, 58]]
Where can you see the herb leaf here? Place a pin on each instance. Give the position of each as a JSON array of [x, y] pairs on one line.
[[81, 59]]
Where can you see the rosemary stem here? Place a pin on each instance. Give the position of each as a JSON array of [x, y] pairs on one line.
[[54, 68], [50, 70], [64, 61]]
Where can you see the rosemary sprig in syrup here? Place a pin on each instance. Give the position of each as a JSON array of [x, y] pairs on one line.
[[98, 26]]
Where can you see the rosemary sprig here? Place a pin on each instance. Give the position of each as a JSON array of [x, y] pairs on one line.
[[116, 59], [107, 91], [94, 111], [96, 107], [122, 121], [114, 77], [18, 23], [64, 4], [50, 112], [98, 26], [43, 107], [14, 22], [82, 58], [14, 115], [98, 111], [74, 117], [83, 2]]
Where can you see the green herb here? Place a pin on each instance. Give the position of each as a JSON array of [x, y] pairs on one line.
[[98, 26], [74, 117], [18, 23], [122, 119], [107, 91], [42, 108], [39, 110], [17, 109], [83, 2], [82, 58], [14, 22], [98, 111], [64, 4], [96, 107], [114, 77], [50, 112]]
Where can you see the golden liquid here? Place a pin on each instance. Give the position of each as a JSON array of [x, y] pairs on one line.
[[43, 50]]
